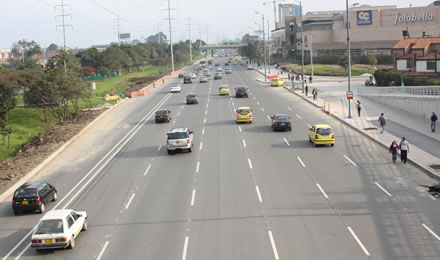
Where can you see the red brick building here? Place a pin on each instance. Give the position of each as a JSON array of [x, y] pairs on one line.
[[417, 56]]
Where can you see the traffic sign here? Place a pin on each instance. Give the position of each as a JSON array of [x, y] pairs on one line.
[[349, 94]]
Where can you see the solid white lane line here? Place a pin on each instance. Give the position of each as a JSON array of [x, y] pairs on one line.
[[204, 121], [268, 117], [203, 131], [102, 250], [185, 248], [146, 171], [129, 201], [22, 251], [322, 190], [250, 164], [201, 146], [285, 140], [193, 197], [430, 231], [309, 125], [244, 143], [298, 116], [289, 108], [198, 165], [299, 159], [239, 128], [259, 194], [158, 149], [262, 109], [348, 159], [358, 241], [274, 247], [383, 189]]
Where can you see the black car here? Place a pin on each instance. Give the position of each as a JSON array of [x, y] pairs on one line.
[[281, 122], [241, 91], [192, 98], [226, 64], [162, 115], [33, 196], [187, 79]]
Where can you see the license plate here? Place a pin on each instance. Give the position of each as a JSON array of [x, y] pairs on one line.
[[48, 241], [283, 123], [25, 202], [177, 142], [324, 136]]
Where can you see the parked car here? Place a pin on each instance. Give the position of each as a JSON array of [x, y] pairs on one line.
[[218, 75], [33, 196], [175, 88], [281, 122], [187, 79], [192, 98], [241, 91], [162, 115], [179, 139], [58, 229], [321, 134]]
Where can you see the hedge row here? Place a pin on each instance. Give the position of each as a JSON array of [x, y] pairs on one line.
[[387, 77]]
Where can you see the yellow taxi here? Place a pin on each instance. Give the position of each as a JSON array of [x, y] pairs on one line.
[[321, 134], [244, 114], [223, 90], [277, 82]]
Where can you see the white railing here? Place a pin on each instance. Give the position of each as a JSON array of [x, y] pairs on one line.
[[400, 91]]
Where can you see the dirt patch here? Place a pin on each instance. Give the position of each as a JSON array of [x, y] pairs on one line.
[[140, 83], [43, 145]]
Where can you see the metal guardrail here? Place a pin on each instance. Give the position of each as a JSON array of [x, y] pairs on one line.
[[400, 91]]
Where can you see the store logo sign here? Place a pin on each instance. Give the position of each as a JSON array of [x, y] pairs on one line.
[[364, 17], [412, 18]]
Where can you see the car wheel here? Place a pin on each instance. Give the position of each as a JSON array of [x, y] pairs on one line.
[[84, 228], [310, 140], [170, 152], [72, 243], [189, 150], [16, 212], [54, 196], [290, 129], [42, 207], [314, 144], [332, 145]]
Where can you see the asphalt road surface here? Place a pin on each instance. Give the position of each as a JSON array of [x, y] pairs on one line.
[[245, 192]]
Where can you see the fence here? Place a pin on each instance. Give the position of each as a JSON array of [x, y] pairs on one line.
[[400, 91]]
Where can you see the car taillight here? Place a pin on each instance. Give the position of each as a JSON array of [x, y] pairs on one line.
[[61, 239], [38, 200], [250, 115], [290, 123], [187, 141], [333, 136], [167, 142], [316, 136], [156, 117], [13, 202], [36, 241], [165, 116], [238, 115]]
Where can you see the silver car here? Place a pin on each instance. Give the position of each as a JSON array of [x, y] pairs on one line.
[[179, 139]]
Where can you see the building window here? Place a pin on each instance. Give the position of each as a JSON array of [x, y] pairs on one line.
[[409, 64], [430, 65]]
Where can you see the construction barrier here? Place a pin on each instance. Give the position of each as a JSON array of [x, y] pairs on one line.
[[140, 93], [175, 72], [270, 77]]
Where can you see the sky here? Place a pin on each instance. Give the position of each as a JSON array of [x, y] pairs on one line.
[[95, 22]]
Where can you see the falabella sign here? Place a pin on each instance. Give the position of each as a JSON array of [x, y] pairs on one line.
[[408, 18]]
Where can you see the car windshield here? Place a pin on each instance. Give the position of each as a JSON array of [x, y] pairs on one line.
[[281, 118], [324, 131], [25, 193], [50, 226], [191, 96], [178, 135], [161, 112], [243, 111], [274, 80], [241, 89]]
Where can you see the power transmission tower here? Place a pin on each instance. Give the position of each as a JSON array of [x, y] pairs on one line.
[[118, 28], [189, 35], [63, 20], [171, 35], [200, 36]]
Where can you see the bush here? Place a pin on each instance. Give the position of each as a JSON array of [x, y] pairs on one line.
[[385, 77]]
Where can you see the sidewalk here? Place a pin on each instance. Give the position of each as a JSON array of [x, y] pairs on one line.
[[424, 151]]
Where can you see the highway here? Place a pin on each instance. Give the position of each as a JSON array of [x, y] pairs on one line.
[[244, 192]]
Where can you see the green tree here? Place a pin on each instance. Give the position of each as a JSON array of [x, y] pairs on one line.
[[8, 102], [52, 47], [343, 62], [372, 60]]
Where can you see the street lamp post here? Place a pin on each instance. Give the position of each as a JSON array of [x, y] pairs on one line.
[[302, 46], [349, 58], [268, 42], [264, 46], [435, 59]]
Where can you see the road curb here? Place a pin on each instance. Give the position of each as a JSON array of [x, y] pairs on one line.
[[427, 170]]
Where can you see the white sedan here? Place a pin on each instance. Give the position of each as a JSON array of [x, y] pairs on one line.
[[59, 229], [176, 88], [193, 75]]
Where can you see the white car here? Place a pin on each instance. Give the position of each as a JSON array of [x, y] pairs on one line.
[[176, 88], [193, 75], [179, 139], [59, 229], [219, 69]]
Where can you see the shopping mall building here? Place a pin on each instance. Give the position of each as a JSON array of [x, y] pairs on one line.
[[374, 30]]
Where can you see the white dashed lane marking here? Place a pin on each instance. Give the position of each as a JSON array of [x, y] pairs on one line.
[[148, 169], [201, 146], [102, 250], [383, 189], [299, 159], [289, 108], [285, 140], [244, 143], [193, 197], [250, 164], [322, 190], [197, 167], [298, 116], [430, 231], [185, 248], [274, 247], [358, 241], [348, 159], [129, 201]]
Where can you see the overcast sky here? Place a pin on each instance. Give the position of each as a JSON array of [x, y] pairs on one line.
[[94, 22]]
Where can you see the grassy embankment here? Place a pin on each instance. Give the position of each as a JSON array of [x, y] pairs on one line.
[[26, 123], [333, 70]]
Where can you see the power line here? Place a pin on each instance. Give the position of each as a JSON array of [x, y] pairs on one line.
[[171, 35], [64, 25], [189, 34]]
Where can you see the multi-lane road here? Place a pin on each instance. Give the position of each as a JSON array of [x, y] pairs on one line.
[[244, 192]]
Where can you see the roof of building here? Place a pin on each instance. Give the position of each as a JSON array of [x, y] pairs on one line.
[[418, 43]]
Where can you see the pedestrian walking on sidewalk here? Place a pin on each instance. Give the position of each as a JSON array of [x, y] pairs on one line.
[[288, 76], [307, 90], [434, 119], [394, 148], [358, 107], [404, 150], [310, 78], [382, 123]]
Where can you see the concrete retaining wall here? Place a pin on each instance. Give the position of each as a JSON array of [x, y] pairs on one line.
[[421, 106]]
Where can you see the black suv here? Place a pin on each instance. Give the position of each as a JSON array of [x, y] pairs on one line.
[[162, 115], [33, 196], [187, 79], [241, 91], [191, 98]]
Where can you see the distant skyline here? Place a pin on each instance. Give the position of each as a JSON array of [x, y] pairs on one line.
[[94, 22]]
